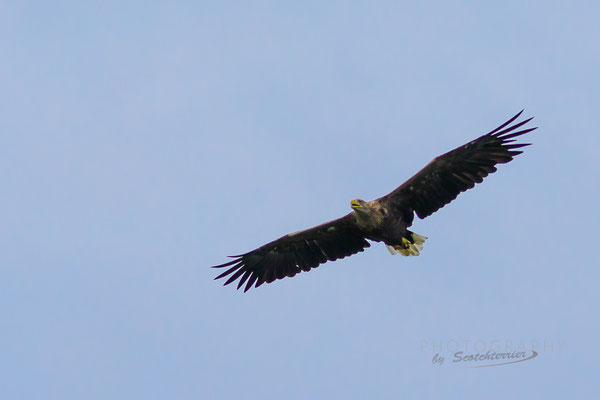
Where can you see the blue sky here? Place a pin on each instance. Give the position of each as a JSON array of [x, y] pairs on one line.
[[142, 143]]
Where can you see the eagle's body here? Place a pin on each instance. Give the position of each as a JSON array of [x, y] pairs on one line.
[[379, 221], [385, 219]]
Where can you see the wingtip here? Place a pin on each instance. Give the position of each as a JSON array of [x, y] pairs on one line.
[[510, 121], [227, 264], [527, 120], [240, 283]]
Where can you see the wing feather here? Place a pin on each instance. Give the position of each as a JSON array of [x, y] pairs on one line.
[[296, 252], [446, 176]]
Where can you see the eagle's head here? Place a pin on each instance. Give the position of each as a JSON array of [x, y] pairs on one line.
[[359, 205], [368, 214]]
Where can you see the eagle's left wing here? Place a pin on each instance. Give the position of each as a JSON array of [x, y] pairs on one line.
[[458, 170]]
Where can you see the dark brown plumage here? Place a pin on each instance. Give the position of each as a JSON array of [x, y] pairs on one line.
[[385, 219]]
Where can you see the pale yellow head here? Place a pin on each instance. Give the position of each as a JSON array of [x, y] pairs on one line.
[[358, 205], [367, 215]]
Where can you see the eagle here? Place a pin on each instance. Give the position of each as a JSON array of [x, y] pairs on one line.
[[385, 219]]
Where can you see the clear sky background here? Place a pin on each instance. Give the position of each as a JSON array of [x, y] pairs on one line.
[[144, 142]]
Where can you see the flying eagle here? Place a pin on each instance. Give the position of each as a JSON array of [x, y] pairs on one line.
[[385, 219]]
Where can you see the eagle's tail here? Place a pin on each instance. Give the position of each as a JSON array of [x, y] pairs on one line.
[[411, 246]]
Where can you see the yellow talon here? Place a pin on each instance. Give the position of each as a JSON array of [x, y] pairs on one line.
[[408, 248]]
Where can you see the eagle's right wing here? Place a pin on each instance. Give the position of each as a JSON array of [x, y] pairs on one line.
[[296, 252]]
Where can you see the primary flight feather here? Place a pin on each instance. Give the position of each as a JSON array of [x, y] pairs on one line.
[[385, 219]]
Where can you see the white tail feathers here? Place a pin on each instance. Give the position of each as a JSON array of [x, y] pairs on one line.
[[407, 248]]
